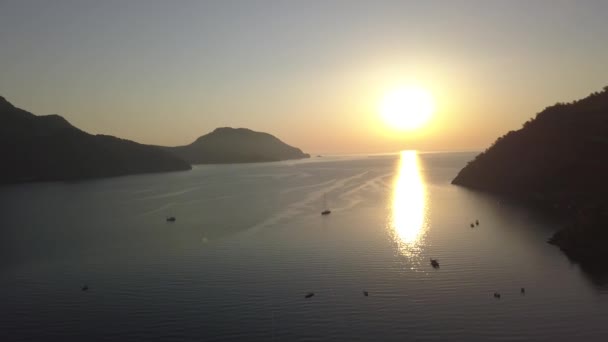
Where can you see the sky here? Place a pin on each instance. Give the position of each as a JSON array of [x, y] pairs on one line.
[[312, 73]]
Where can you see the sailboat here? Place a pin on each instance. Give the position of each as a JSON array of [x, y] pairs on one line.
[[325, 211]]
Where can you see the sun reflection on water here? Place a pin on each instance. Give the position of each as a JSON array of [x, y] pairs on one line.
[[407, 220]]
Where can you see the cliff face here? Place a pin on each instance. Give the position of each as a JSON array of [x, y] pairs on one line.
[[48, 148], [236, 145], [559, 161]]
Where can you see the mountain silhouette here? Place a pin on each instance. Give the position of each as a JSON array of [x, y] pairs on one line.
[[236, 145], [49, 148], [558, 160]]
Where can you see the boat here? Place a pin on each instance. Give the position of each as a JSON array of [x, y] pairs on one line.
[[171, 219], [434, 263], [477, 222], [365, 293], [309, 294], [326, 211], [496, 295]]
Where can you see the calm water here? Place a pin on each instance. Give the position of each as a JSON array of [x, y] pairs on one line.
[[249, 243]]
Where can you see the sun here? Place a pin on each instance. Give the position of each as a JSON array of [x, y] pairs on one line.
[[407, 108]]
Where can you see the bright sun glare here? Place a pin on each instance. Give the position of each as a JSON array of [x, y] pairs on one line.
[[407, 108]]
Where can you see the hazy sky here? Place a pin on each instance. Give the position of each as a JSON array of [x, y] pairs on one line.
[[310, 72]]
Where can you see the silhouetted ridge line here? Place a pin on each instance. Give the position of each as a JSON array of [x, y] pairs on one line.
[[236, 145], [49, 148], [558, 161]]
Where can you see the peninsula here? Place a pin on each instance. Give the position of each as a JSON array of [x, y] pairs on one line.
[[558, 161], [49, 148]]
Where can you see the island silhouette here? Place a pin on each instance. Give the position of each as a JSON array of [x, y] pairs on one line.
[[236, 145], [557, 161], [49, 148]]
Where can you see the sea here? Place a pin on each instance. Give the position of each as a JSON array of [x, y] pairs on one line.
[[249, 244]]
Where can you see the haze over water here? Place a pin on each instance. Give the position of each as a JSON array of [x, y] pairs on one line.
[[249, 242]]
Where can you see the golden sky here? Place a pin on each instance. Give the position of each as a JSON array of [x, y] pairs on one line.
[[312, 73]]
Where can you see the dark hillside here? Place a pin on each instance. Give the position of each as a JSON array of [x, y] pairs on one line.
[[558, 160], [49, 148]]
